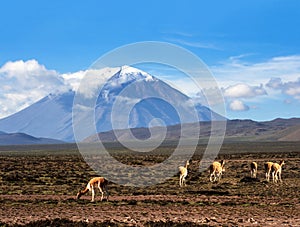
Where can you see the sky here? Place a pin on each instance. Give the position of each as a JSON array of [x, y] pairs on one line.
[[252, 48]]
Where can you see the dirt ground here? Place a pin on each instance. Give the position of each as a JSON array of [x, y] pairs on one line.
[[38, 188]]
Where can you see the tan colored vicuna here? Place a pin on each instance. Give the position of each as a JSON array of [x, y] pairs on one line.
[[268, 168], [253, 169], [216, 169], [183, 171], [100, 183], [276, 171]]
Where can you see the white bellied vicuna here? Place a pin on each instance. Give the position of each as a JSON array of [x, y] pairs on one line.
[[183, 171], [276, 171], [216, 169], [253, 169], [268, 168], [100, 183]]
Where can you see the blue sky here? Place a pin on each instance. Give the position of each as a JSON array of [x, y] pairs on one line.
[[251, 47]]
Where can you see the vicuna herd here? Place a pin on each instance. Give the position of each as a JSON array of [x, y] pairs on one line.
[[215, 170]]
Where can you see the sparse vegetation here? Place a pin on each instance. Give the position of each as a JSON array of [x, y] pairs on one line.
[[37, 183]]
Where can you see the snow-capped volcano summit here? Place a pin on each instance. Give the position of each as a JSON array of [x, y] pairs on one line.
[[128, 73], [51, 117]]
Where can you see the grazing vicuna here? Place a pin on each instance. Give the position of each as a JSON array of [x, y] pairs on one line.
[[253, 169], [183, 171], [276, 171], [100, 183], [216, 169], [268, 168]]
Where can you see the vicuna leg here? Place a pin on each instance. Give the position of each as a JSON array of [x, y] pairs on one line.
[[93, 194], [253, 173], [211, 177], [268, 175], [219, 176], [274, 177], [106, 191], [279, 175], [215, 176], [101, 191]]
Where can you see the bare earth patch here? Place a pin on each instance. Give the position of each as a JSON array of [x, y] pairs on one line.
[[39, 190]]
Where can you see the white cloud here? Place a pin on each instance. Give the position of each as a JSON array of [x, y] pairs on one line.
[[73, 79], [274, 83], [242, 90], [238, 105], [88, 81], [93, 79], [291, 88], [242, 79], [236, 70], [25, 82], [239, 79]]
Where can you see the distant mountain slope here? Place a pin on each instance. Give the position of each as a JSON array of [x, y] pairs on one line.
[[236, 130], [291, 134], [48, 118], [274, 130], [51, 117], [24, 139]]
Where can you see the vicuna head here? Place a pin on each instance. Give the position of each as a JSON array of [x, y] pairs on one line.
[[222, 162], [79, 194], [187, 163]]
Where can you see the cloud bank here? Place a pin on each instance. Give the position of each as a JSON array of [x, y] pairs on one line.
[[270, 75], [236, 95], [290, 88], [243, 90], [24, 82]]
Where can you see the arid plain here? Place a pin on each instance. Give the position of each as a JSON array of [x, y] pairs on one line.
[[38, 185]]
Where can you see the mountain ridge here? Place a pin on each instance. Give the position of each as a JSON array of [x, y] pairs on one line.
[[237, 130], [24, 139]]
